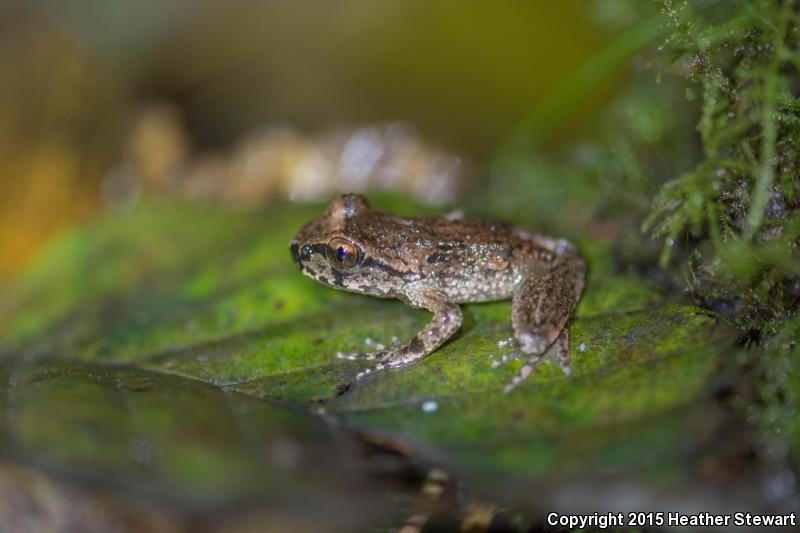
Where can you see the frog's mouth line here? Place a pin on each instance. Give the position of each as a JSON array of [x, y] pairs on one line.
[[335, 277]]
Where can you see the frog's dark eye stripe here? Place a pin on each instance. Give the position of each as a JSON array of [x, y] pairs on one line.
[[342, 253], [380, 265]]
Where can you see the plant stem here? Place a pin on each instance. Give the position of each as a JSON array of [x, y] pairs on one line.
[[769, 131]]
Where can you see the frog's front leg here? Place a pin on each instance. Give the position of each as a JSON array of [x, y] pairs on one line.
[[539, 313], [447, 319]]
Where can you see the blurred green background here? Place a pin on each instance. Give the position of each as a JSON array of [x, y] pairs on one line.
[[77, 76]]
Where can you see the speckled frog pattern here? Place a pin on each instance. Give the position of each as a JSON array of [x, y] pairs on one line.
[[436, 263]]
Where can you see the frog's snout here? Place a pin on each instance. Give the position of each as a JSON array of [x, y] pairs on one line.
[[294, 250], [300, 254]]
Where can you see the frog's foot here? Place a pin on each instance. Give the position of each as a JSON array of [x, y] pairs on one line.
[[510, 355], [559, 350], [362, 356], [370, 370], [381, 351], [394, 358], [516, 353], [503, 343]]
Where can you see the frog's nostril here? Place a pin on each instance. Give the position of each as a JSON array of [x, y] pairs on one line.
[[301, 253]]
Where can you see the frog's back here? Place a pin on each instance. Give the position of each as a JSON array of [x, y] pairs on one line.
[[474, 260], [469, 260]]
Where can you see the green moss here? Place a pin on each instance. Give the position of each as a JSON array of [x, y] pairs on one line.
[[739, 205]]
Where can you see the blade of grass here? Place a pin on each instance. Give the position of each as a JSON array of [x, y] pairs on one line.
[[574, 87]]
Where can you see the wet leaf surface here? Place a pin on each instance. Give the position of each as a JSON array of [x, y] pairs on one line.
[[176, 349]]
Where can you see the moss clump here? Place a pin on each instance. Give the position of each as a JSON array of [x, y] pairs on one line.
[[735, 217]]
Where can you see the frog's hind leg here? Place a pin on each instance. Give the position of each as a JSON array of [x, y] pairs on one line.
[[539, 313], [541, 307]]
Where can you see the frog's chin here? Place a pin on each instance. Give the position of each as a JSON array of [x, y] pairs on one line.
[[344, 281], [329, 279]]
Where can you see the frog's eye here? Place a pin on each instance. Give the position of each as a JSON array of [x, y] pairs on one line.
[[342, 253]]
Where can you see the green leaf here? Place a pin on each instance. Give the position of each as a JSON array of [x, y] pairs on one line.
[[178, 440], [205, 310]]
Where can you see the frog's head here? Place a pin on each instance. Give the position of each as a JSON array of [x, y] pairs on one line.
[[339, 249]]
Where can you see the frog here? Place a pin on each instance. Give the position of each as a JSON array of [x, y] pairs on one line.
[[438, 263]]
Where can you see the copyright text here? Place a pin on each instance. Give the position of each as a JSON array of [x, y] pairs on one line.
[[669, 519]]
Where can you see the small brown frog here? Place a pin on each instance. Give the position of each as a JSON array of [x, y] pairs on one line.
[[436, 263]]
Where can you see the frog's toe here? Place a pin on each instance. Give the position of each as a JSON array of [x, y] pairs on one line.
[[379, 346], [513, 352], [523, 373], [379, 351], [391, 359], [370, 370], [559, 351], [374, 344], [506, 357], [502, 343], [363, 356]]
